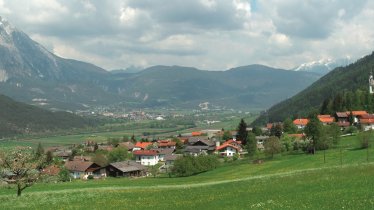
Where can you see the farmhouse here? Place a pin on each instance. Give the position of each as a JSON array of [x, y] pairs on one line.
[[199, 146], [301, 123], [367, 122], [166, 144], [227, 150], [146, 157], [82, 169], [126, 168]]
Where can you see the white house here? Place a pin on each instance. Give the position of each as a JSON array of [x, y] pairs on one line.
[[227, 150], [146, 157]]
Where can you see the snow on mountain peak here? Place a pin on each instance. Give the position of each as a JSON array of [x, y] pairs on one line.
[[6, 26], [324, 65]]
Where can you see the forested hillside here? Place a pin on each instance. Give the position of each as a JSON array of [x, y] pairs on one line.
[[350, 82], [19, 118]]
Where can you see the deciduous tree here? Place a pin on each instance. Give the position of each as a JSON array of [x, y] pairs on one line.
[[21, 167], [272, 146]]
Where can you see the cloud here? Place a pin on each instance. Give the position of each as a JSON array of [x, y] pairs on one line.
[[207, 34]]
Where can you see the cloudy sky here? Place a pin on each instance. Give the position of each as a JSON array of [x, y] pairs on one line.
[[207, 34]]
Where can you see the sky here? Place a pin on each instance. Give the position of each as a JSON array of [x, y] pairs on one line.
[[206, 34]]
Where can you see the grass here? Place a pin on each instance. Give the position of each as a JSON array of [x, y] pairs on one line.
[[296, 181]]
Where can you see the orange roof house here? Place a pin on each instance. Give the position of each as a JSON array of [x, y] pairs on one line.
[[326, 119], [301, 122], [358, 113], [196, 133], [142, 145]]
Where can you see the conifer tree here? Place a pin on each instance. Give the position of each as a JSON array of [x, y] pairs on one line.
[[242, 132]]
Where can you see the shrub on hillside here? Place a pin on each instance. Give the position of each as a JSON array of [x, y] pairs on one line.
[[190, 165]]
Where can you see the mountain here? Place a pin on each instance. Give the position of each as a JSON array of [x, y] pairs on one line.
[[253, 86], [324, 66], [19, 118], [129, 70], [350, 78], [30, 73]]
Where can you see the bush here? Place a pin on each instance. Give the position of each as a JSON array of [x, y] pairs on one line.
[[64, 175], [90, 177], [190, 165]]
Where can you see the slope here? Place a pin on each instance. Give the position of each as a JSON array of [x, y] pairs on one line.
[[352, 77], [19, 118]]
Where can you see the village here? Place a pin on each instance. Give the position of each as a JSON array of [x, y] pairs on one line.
[[141, 158]]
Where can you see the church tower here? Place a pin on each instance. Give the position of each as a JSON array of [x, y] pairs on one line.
[[371, 83]]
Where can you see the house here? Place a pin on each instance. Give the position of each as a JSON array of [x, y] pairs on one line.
[[260, 141], [64, 155], [326, 119], [146, 157], [141, 145], [227, 150], [82, 169], [297, 135], [163, 152], [126, 168], [367, 122], [169, 161], [166, 144], [357, 115], [301, 123], [199, 147], [52, 170]]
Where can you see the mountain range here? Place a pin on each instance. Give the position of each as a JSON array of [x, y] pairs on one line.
[[324, 66], [31, 74]]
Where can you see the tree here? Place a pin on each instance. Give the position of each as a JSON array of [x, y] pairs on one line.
[[226, 135], [334, 132], [49, 157], [100, 159], [272, 146], [288, 126], [314, 131], [133, 139], [276, 130], [257, 130], [113, 141], [39, 151], [242, 132], [251, 144], [22, 166], [118, 154], [64, 175]]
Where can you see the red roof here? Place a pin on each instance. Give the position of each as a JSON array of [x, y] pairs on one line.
[[326, 118], [367, 116], [301, 121], [342, 114], [166, 143], [197, 133], [227, 145], [145, 152], [143, 145], [323, 116], [232, 141], [359, 113], [269, 125]]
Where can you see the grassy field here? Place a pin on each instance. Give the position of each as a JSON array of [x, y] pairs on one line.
[[296, 181]]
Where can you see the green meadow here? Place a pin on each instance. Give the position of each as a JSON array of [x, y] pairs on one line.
[[292, 181]]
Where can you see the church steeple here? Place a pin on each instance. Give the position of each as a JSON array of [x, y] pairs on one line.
[[371, 83]]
